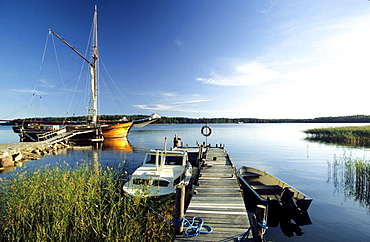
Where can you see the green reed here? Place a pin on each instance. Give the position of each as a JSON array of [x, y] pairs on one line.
[[349, 135], [351, 176], [84, 203]]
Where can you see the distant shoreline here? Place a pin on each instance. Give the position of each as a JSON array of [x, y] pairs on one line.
[[185, 120]]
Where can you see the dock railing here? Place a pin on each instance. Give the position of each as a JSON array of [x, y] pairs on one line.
[[50, 134]]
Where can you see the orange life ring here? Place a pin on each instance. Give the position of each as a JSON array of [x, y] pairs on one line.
[[206, 130]]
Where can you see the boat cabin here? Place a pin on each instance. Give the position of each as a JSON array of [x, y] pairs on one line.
[[162, 158]]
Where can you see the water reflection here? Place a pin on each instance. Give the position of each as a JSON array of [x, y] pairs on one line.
[[77, 153], [4, 170], [349, 143], [121, 145], [352, 177], [289, 217]]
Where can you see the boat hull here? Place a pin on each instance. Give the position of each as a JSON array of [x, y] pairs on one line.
[[148, 189], [116, 130], [31, 133], [159, 174]]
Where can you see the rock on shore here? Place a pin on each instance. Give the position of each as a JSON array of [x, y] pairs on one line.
[[13, 153]]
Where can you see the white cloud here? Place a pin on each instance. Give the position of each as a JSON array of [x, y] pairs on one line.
[[191, 101], [157, 107], [178, 42], [22, 90], [36, 92], [174, 102], [246, 74], [169, 94], [45, 83]]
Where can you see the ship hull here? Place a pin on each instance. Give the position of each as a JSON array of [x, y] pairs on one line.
[[30, 134], [116, 130]]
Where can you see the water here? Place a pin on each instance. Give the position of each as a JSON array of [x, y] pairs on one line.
[[279, 149]]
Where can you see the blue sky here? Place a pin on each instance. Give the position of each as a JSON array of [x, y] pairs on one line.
[[257, 59]]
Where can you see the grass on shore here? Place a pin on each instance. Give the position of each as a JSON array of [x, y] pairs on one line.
[[84, 203], [350, 134]]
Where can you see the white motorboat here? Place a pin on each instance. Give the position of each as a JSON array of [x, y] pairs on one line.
[[159, 174]]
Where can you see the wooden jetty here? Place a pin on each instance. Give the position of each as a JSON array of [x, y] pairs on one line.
[[218, 200]]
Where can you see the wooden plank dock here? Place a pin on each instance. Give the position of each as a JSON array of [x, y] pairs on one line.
[[218, 201]]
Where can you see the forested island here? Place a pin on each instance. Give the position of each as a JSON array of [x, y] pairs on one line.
[[186, 120]]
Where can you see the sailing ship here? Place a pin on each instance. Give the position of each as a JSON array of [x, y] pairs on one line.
[[94, 131]]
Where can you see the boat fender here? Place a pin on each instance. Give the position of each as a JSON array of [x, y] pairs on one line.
[[206, 130]]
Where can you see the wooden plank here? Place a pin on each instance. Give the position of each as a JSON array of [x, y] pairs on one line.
[[216, 169], [216, 204], [207, 195], [222, 218], [218, 182], [217, 175]]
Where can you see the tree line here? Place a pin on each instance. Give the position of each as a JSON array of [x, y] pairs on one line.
[[186, 120], [339, 119]]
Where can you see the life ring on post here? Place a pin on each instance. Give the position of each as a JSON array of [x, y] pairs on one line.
[[206, 130]]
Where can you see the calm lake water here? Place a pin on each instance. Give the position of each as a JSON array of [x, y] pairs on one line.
[[280, 149]]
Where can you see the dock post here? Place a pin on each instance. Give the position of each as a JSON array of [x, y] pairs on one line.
[[177, 141], [179, 208], [261, 217], [195, 175]]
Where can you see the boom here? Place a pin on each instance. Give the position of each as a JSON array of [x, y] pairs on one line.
[[70, 46]]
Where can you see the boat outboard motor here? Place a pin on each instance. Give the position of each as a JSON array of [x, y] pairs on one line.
[[290, 208], [286, 197]]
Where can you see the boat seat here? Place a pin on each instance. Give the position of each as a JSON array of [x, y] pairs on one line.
[[263, 189], [248, 175]]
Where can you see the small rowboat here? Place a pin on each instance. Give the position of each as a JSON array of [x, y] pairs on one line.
[[282, 200]]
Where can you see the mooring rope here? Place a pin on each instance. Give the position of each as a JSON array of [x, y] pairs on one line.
[[244, 236], [192, 229], [262, 224], [195, 227], [158, 214]]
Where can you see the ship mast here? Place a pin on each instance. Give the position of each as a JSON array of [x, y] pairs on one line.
[[94, 81], [93, 67]]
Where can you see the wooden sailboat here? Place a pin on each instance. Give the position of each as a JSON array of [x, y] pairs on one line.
[[93, 131]]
